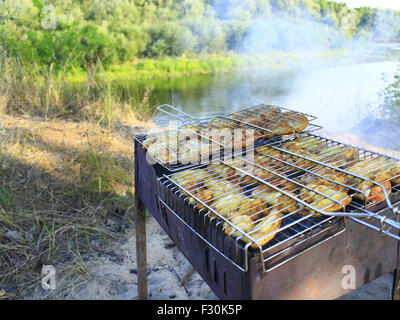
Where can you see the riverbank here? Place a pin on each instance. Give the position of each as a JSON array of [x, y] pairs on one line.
[[151, 69]]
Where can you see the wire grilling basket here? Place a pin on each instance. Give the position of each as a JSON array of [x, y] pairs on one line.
[[285, 193], [264, 207], [195, 140]]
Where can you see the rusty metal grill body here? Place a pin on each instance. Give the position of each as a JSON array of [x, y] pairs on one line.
[[306, 256]]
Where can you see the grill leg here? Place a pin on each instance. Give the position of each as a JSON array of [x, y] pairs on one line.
[[141, 258], [396, 285], [396, 277]]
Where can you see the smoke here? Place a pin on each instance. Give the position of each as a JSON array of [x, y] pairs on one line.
[[236, 10], [295, 29], [387, 26], [284, 35], [342, 97]]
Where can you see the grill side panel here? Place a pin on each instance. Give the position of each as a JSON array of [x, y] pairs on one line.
[[146, 187], [317, 273], [224, 278]]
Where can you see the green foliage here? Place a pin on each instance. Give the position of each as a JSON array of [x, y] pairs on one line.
[[5, 198], [118, 31], [391, 95], [73, 46]]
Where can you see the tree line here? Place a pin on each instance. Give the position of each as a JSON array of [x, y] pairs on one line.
[[80, 32]]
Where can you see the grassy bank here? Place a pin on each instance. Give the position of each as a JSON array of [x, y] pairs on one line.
[[27, 89], [150, 69], [66, 187]]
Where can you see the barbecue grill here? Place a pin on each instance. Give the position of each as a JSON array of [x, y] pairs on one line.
[[278, 219]]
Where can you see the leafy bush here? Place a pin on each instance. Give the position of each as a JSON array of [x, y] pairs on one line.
[[117, 31], [391, 98]]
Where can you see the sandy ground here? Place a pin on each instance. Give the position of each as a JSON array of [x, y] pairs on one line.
[[167, 267]]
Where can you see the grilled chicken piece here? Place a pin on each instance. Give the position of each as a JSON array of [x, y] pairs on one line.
[[241, 222], [149, 141], [222, 123], [276, 199], [261, 173], [296, 161], [204, 195], [337, 152], [227, 206], [373, 193], [220, 187], [171, 137], [396, 181], [268, 112], [288, 123], [269, 195], [317, 149], [266, 229], [274, 161], [162, 152], [263, 168], [264, 112], [370, 168], [271, 151], [254, 208], [324, 203], [192, 181], [236, 139], [273, 120], [299, 121], [225, 172], [377, 170], [191, 178], [247, 168], [304, 144], [193, 151], [331, 174], [194, 128], [172, 147], [258, 122], [394, 172], [262, 231]]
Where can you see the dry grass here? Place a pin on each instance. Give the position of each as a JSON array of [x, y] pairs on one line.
[[66, 168], [60, 183], [39, 91]]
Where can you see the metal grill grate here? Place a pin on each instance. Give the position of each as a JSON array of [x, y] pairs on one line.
[[195, 140], [358, 169], [279, 198]]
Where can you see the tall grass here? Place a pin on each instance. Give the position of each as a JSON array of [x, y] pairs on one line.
[[66, 168], [40, 91]]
